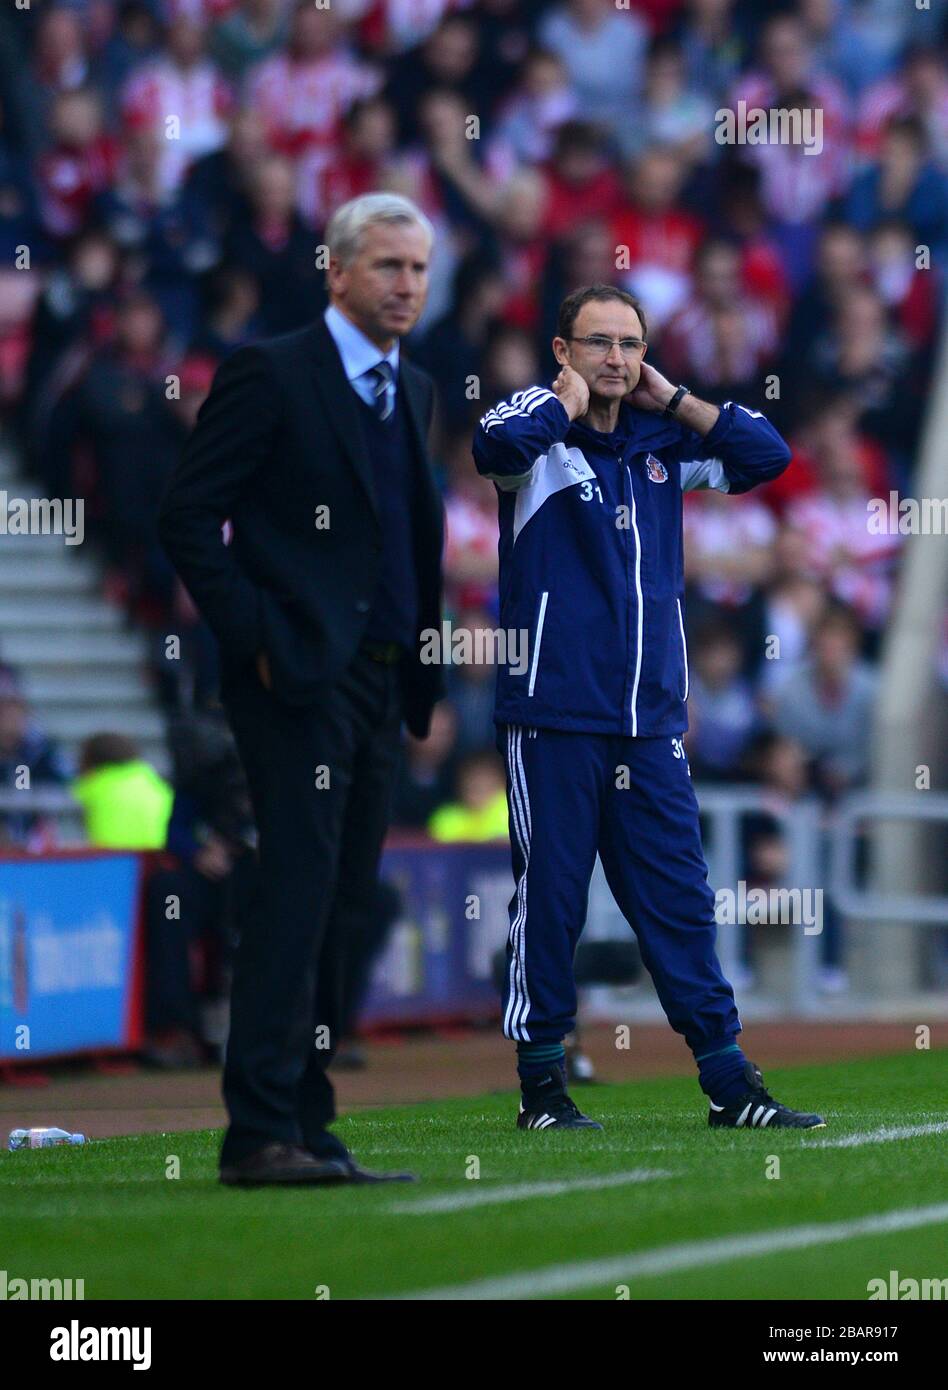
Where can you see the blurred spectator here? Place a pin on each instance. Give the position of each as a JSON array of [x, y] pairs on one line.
[[744, 221], [864, 355], [427, 776], [19, 214], [713, 45], [302, 93], [657, 234], [125, 804], [529, 117], [471, 684], [779, 765], [723, 335], [722, 699], [80, 163], [359, 164], [390, 26], [116, 420], [586, 256], [825, 412], [453, 349], [910, 298], [169, 238], [196, 892], [839, 267], [905, 185], [480, 811], [508, 35], [800, 178], [793, 604], [827, 705], [470, 548], [451, 165], [672, 115], [252, 31], [787, 66], [29, 760], [181, 98], [580, 181], [510, 364], [919, 90], [602, 49], [728, 546], [858, 42], [133, 41], [74, 314], [446, 62], [524, 247], [273, 246], [843, 553], [233, 313], [220, 183], [60, 61]]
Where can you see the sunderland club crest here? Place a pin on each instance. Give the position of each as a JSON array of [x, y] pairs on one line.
[[657, 471]]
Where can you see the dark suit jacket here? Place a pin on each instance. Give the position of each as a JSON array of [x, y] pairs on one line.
[[278, 438]]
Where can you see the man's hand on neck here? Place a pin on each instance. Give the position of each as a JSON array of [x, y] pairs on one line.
[[653, 393], [598, 412], [572, 391]]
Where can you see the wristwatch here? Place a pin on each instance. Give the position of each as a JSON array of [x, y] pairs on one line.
[[676, 400]]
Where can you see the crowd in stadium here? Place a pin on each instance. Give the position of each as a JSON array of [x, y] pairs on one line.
[[171, 164]]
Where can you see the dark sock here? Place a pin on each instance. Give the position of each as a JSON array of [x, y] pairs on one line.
[[537, 1060], [721, 1074]]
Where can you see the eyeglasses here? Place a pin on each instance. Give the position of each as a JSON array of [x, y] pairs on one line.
[[601, 346]]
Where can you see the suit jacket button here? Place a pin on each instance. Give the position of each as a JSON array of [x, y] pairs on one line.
[[362, 605]]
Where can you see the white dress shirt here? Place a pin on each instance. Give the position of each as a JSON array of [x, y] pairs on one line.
[[359, 355]]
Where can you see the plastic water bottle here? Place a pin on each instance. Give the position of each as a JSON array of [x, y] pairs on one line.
[[42, 1138]]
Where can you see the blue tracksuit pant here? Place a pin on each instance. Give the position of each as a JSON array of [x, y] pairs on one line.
[[571, 795]]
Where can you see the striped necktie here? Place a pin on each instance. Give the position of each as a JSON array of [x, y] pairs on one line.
[[381, 378]]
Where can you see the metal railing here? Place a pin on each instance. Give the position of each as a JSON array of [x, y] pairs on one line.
[[821, 853], [915, 909], [54, 803], [801, 822]]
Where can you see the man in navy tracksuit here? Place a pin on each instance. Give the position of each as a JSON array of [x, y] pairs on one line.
[[590, 477]]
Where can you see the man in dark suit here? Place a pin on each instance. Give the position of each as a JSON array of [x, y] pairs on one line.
[[313, 446]]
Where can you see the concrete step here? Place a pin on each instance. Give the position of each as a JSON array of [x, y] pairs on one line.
[[101, 688], [72, 723], [13, 546], [62, 653], [49, 612], [38, 571], [83, 672]]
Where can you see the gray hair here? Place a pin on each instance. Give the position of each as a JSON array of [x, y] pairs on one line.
[[344, 232]]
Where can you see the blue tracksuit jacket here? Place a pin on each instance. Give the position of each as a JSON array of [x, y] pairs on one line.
[[591, 561]]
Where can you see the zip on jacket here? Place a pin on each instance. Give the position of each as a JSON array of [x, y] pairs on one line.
[[591, 560]]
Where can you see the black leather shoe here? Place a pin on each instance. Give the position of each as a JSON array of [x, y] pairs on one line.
[[283, 1165], [328, 1146], [363, 1175]]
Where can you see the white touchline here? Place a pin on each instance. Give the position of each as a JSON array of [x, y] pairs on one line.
[[520, 1192], [885, 1135], [619, 1269]]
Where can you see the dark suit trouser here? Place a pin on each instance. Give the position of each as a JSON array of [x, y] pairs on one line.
[[320, 778]]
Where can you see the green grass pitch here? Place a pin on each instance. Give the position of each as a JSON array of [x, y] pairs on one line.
[[109, 1214]]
